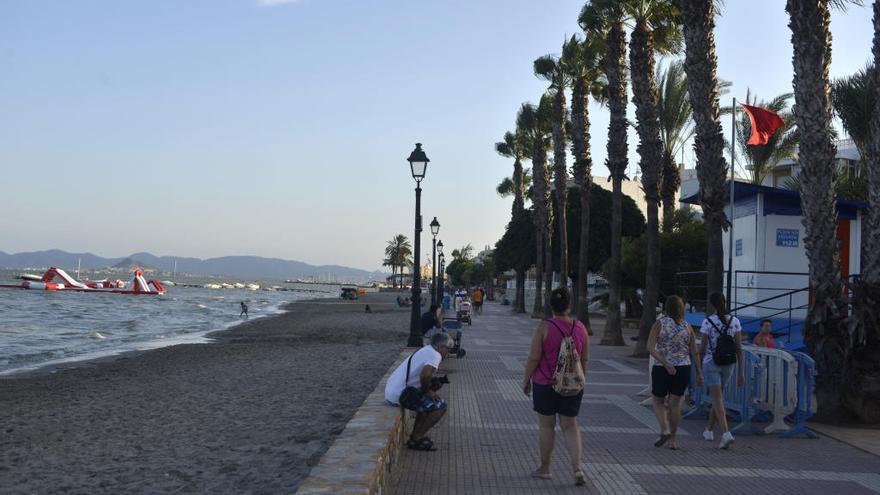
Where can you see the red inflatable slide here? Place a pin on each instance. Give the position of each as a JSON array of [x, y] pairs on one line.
[[58, 279]]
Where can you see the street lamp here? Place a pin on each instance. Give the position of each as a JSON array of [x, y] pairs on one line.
[[435, 229], [418, 164], [439, 279], [442, 278]]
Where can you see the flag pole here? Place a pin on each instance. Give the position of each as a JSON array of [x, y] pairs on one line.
[[732, 215]]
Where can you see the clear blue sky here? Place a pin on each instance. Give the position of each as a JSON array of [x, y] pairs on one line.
[[218, 127]]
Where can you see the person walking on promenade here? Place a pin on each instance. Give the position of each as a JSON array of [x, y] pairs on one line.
[[672, 344], [544, 354], [478, 301], [409, 387], [720, 350], [243, 310]]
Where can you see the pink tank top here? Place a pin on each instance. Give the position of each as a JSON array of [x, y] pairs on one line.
[[552, 341]]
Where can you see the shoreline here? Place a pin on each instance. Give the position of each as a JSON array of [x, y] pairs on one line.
[[252, 410], [97, 357]]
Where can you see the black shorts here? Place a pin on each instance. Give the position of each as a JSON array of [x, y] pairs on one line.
[[663, 384], [548, 403]]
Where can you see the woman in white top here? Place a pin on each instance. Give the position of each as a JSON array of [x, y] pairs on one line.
[[717, 374]]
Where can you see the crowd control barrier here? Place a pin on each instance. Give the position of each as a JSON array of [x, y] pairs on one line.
[[776, 382]]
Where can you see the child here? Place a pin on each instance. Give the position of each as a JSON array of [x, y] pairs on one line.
[[764, 337]]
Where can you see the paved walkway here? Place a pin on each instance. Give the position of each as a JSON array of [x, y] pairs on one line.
[[488, 441]]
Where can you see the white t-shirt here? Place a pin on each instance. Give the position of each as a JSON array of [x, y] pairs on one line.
[[712, 333], [426, 356]]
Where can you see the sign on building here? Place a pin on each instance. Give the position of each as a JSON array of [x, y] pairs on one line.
[[787, 237]]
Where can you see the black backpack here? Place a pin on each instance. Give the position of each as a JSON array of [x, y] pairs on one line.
[[725, 346]]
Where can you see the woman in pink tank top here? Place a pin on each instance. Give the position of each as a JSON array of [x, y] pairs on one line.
[[538, 383]]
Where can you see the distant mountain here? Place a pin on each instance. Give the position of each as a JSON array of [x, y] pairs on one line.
[[247, 267], [131, 264]]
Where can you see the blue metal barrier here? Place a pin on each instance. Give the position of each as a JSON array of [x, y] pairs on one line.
[[805, 379]]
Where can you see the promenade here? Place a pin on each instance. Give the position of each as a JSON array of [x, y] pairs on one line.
[[488, 441]]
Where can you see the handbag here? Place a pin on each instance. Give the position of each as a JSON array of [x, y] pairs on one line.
[[410, 397]]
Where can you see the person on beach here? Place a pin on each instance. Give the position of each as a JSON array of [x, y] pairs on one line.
[[721, 335], [672, 344], [764, 337], [417, 372], [538, 382], [243, 310]]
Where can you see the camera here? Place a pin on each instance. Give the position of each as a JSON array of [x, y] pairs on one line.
[[438, 381]]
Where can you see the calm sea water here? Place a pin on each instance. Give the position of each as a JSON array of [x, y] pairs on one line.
[[38, 328]]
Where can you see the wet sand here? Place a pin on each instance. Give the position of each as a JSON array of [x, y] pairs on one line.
[[250, 413]]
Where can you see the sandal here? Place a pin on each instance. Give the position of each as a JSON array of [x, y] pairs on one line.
[[425, 444], [664, 437], [544, 476], [580, 479]]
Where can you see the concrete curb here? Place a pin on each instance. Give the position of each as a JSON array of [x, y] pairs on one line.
[[361, 458]]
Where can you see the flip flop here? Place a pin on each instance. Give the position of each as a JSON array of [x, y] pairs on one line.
[[580, 479], [664, 437], [424, 444], [543, 476]]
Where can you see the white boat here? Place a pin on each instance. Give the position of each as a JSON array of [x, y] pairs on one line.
[[212, 286], [252, 287]]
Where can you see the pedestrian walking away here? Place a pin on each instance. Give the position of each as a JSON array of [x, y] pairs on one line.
[[720, 349], [243, 310], [673, 347], [554, 377]]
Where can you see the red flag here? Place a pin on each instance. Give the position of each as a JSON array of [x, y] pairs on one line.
[[764, 124]]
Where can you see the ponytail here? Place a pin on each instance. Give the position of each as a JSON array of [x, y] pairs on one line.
[[720, 304]]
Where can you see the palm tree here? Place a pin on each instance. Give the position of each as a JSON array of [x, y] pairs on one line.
[[854, 101], [701, 67], [825, 331], [583, 61], [553, 69], [604, 19], [782, 145], [516, 146], [513, 147], [675, 115], [655, 31], [398, 253], [507, 186], [534, 121]]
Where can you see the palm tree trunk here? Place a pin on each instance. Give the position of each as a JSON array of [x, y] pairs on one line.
[[669, 186], [700, 65], [825, 331], [583, 164], [519, 304], [548, 269], [540, 201], [650, 154], [518, 192], [560, 175], [615, 72], [538, 306]]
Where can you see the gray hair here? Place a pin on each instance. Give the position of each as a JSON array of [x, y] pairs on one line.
[[441, 339]]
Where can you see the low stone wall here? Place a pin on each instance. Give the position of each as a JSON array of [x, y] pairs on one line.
[[361, 458]]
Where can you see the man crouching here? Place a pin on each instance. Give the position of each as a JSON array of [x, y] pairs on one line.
[[409, 386]]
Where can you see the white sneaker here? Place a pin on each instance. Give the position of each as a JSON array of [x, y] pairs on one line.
[[708, 435], [726, 440]]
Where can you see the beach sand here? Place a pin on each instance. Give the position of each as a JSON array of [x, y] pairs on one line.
[[250, 413]]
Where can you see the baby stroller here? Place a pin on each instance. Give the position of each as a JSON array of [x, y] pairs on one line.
[[453, 328], [464, 312]]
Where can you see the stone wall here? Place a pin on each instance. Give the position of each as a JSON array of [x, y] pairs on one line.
[[361, 458]]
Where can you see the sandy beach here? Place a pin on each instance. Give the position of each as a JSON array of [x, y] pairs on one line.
[[250, 413]]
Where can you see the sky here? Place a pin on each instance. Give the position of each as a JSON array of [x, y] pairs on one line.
[[281, 128]]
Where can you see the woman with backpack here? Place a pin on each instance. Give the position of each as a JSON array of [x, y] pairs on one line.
[[721, 350], [672, 344], [554, 376]]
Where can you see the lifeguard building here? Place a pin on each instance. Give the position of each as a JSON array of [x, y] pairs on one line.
[[770, 268]]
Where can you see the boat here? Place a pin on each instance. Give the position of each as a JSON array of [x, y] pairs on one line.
[[252, 287], [213, 286], [56, 279]]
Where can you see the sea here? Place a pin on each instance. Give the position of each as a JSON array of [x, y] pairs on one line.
[[44, 328]]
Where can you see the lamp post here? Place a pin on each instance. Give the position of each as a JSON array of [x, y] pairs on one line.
[[435, 229], [442, 277], [439, 278], [418, 164]]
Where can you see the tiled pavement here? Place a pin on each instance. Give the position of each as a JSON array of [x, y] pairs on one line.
[[488, 440]]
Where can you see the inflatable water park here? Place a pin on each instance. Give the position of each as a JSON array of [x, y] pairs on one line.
[[56, 279]]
